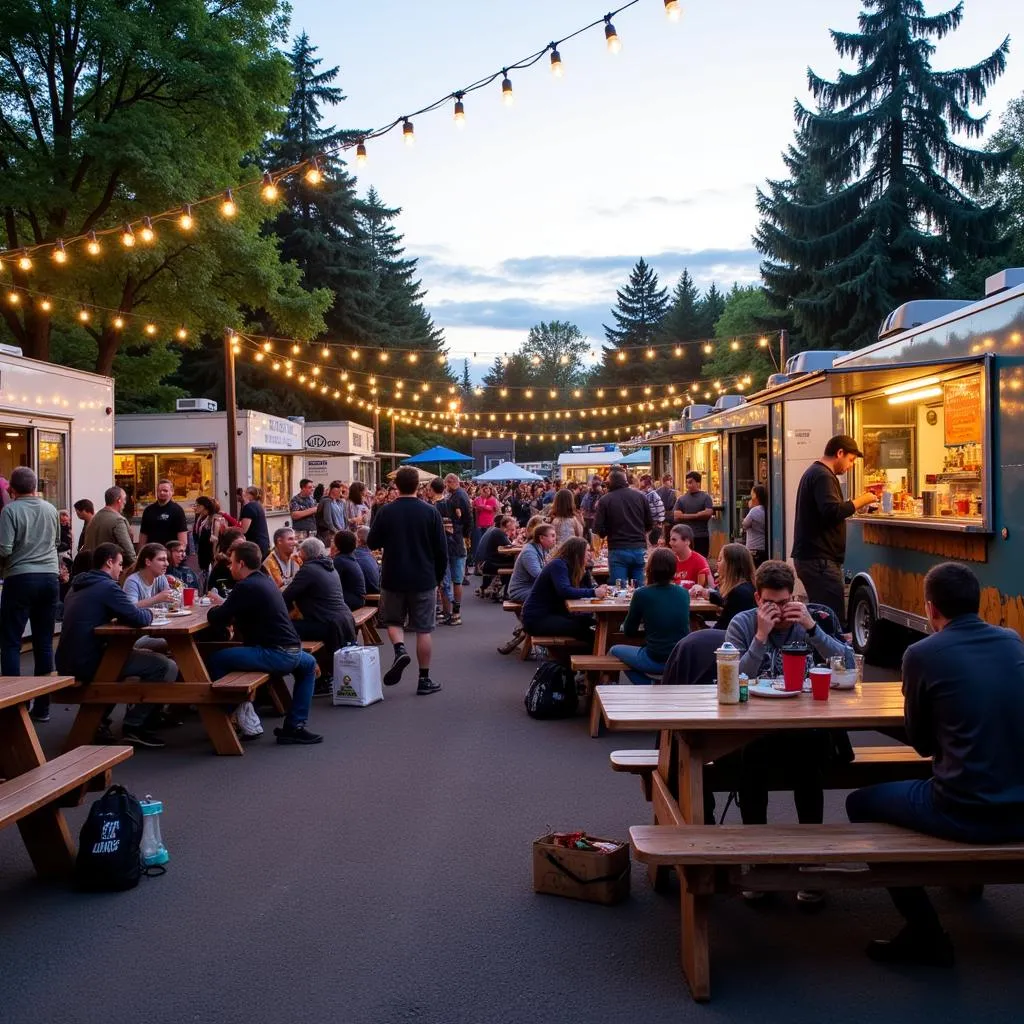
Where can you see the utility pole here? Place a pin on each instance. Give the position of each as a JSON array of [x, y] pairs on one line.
[[231, 412], [783, 350]]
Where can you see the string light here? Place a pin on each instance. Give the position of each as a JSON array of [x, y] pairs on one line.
[[361, 156], [611, 36], [650, 353], [325, 353], [117, 323], [460, 110], [763, 342], [24, 260], [506, 89], [13, 298], [735, 346], [269, 189], [127, 236], [150, 329], [314, 175], [228, 207], [84, 316], [673, 10], [182, 333], [59, 254], [46, 305], [92, 246], [185, 221], [556, 62], [408, 133], [147, 234], [708, 348]]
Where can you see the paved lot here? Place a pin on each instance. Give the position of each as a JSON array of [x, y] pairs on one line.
[[385, 877]]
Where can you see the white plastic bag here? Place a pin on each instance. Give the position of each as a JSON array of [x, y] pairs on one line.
[[356, 677]]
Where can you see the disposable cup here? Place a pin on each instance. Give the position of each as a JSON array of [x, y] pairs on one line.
[[793, 666], [188, 597], [821, 680]]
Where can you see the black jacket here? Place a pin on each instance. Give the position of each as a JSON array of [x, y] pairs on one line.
[[258, 611], [415, 550], [819, 525], [93, 600], [353, 582], [624, 518]]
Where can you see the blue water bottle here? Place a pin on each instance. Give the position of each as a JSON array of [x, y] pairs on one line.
[[152, 846]]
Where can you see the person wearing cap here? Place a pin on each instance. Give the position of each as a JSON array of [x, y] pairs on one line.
[[819, 528]]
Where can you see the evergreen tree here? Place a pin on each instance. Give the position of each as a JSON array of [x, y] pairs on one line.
[[683, 323], [711, 308], [641, 307], [467, 382], [897, 214]]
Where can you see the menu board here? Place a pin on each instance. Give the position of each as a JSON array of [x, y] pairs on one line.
[[961, 402]]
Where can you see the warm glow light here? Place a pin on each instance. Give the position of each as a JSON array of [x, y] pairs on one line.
[[325, 353], [269, 189], [150, 329], [84, 316], [621, 357], [181, 334], [296, 349], [384, 357], [314, 175], [708, 349], [506, 91], [147, 234], [503, 392], [92, 247], [673, 10], [913, 396], [228, 207], [118, 322], [650, 353], [127, 236], [46, 305], [13, 298], [898, 389], [25, 261], [185, 221], [611, 36], [556, 62], [413, 357], [735, 346], [460, 111], [59, 255], [528, 393], [408, 132], [763, 342]]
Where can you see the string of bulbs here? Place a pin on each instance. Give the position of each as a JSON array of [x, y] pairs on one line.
[[143, 230]]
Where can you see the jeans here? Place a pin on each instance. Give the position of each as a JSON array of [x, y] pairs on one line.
[[824, 584], [29, 597], [912, 805], [626, 564], [276, 661], [150, 667], [639, 662]]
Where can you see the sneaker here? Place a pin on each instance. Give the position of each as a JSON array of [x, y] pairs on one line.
[[139, 737], [752, 896], [427, 686], [394, 674], [297, 735], [920, 949], [164, 719], [455, 619], [42, 715], [810, 899], [322, 687], [104, 735]]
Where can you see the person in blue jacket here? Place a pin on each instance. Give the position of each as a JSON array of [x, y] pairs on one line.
[[544, 612]]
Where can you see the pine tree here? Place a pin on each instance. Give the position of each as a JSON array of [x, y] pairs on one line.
[[711, 308], [897, 214], [683, 323], [467, 381], [641, 307]]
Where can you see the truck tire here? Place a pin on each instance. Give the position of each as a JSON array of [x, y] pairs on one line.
[[863, 619]]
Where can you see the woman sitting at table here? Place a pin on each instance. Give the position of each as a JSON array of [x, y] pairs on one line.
[[735, 591], [544, 612], [663, 609], [564, 517], [147, 585], [530, 562]]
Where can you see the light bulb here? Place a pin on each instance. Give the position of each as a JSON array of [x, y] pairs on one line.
[[506, 91], [46, 305], [413, 357], [296, 350], [117, 322], [678, 350], [673, 10], [460, 111], [325, 353], [59, 254], [84, 316], [127, 236], [361, 156], [13, 298], [314, 175], [735, 346], [147, 234], [24, 261], [408, 133], [269, 190], [181, 334], [650, 353], [708, 348], [93, 247], [621, 357], [556, 62], [611, 36], [150, 329], [227, 207], [185, 221]]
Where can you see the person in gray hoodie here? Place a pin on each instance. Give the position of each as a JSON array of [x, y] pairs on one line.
[[29, 537], [530, 561]]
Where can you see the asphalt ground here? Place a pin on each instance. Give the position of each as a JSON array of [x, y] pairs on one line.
[[385, 876]]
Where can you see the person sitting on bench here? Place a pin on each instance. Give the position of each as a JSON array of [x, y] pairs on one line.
[[544, 613], [963, 690], [487, 557], [530, 561], [94, 600]]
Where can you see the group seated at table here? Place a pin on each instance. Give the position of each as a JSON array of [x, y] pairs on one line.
[[544, 612]]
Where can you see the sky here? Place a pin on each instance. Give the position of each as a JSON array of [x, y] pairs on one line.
[[538, 211]]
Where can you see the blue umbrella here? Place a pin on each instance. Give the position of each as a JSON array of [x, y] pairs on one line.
[[437, 454]]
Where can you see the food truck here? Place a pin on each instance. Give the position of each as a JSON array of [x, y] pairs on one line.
[[340, 450], [190, 449], [60, 422], [581, 462]]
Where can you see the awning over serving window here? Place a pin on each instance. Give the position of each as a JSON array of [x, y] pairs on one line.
[[321, 453]]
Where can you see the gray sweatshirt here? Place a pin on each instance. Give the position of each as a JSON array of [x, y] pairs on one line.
[[764, 661], [528, 565], [29, 533]]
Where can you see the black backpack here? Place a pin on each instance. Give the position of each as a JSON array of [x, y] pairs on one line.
[[108, 845], [552, 692]]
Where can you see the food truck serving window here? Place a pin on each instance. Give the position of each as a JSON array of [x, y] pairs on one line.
[[190, 473], [925, 448], [272, 472]]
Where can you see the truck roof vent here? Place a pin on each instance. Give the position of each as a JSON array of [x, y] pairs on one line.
[[1009, 278], [195, 405], [920, 311]]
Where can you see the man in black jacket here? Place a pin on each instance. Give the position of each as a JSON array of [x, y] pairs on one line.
[[415, 560], [353, 582], [624, 519], [963, 690], [819, 527], [270, 642], [94, 600]]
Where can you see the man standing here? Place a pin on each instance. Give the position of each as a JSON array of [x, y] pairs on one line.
[[588, 507], [109, 526], [330, 513], [364, 556], [84, 511], [624, 519], [163, 520], [29, 534], [270, 643], [694, 508], [460, 510], [451, 610], [819, 526], [415, 561], [669, 496], [657, 507], [963, 691], [94, 600], [281, 564], [303, 509]]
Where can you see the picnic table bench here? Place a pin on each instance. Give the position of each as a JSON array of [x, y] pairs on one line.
[[33, 790], [786, 858], [367, 628]]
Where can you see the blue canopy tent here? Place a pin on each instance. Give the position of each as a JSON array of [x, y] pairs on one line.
[[438, 454], [506, 471]]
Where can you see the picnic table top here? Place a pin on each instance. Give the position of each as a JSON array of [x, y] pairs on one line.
[[696, 708], [18, 689], [620, 605], [179, 625]]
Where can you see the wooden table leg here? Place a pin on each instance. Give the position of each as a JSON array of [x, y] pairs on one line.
[[222, 734], [185, 653], [693, 907], [601, 635], [45, 832], [83, 729]]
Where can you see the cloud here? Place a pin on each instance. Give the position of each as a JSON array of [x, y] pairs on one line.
[[640, 205], [518, 314]]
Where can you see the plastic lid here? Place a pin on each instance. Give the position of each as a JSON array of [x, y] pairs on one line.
[[796, 647], [727, 648], [151, 806]]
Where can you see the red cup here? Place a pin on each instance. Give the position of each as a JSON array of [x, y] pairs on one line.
[[821, 682], [793, 668], [188, 597]]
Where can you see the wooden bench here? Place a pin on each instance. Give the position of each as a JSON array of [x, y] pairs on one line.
[[566, 645], [512, 606], [599, 669], [786, 858], [870, 765], [212, 700], [30, 800], [365, 624]]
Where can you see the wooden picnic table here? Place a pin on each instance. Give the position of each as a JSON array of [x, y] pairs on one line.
[[214, 699], [33, 789], [610, 612], [695, 729]]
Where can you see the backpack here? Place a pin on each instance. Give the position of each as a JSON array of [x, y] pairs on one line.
[[552, 692], [108, 845]]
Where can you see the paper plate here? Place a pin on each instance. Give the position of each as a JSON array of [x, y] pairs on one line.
[[764, 688]]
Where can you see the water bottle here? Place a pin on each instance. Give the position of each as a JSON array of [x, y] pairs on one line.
[[152, 847], [727, 659]]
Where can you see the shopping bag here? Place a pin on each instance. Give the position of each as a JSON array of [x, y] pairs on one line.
[[356, 677]]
